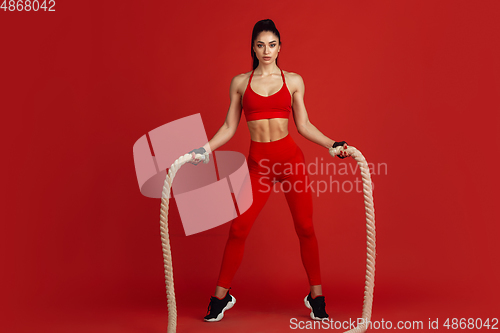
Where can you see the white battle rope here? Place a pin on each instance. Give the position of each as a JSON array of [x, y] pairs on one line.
[[370, 234], [165, 240]]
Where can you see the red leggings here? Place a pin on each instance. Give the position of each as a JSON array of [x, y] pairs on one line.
[[268, 162]]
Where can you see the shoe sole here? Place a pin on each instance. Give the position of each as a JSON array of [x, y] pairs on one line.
[[308, 305], [229, 305]]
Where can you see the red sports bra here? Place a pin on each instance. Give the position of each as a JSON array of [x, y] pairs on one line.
[[277, 105]]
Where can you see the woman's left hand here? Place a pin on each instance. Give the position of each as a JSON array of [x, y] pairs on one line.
[[344, 153]]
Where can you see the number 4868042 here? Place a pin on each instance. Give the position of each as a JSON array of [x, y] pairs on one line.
[[28, 5]]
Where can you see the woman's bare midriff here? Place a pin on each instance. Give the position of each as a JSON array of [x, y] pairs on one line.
[[267, 130]]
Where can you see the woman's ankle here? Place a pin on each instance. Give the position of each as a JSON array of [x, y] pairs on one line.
[[220, 292], [316, 290]]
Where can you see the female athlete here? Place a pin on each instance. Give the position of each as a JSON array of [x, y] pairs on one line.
[[268, 95]]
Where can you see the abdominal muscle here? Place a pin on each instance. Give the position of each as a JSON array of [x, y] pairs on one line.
[[267, 130]]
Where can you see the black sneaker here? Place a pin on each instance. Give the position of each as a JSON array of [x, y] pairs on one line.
[[317, 306], [216, 308]]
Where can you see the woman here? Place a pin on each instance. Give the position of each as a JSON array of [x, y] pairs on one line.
[[268, 95]]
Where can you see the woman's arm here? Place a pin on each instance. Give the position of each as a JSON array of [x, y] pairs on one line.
[[304, 126], [227, 130]]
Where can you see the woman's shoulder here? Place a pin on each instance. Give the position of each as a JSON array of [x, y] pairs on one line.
[[239, 78], [292, 76], [243, 76], [239, 82], [294, 81]]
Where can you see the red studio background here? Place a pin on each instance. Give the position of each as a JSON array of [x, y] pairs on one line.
[[414, 85]]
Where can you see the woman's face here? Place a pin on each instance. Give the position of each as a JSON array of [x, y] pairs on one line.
[[266, 47]]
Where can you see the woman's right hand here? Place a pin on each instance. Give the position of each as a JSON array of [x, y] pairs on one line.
[[196, 151]]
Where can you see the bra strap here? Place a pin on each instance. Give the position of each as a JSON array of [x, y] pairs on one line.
[[251, 75], [283, 76]]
